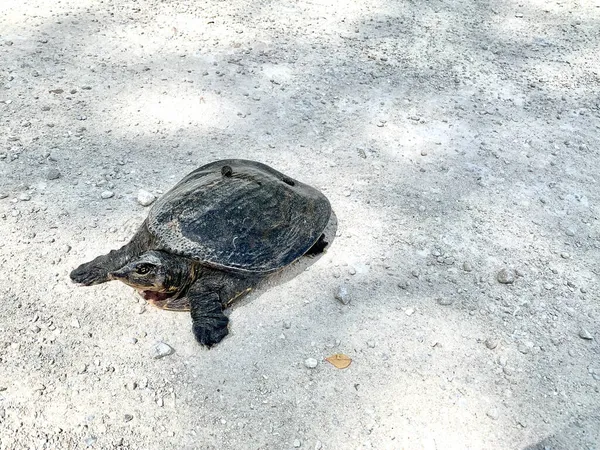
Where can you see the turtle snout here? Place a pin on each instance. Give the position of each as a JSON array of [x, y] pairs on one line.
[[117, 275], [89, 274]]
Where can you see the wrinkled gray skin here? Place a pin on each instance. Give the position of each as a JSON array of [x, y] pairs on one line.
[[175, 282]]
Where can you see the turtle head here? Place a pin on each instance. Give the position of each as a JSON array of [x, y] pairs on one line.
[[155, 272]]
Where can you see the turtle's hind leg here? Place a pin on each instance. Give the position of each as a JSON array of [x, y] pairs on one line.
[[318, 247], [97, 270]]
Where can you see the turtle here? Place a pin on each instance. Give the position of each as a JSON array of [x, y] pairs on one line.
[[212, 238]]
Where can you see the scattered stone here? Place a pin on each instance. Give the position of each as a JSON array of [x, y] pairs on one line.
[[449, 260], [505, 276], [521, 423], [287, 324], [445, 301], [423, 152], [570, 232], [90, 441], [52, 174], [492, 414], [585, 334], [352, 271], [3, 195], [75, 323], [565, 255], [491, 343], [297, 443], [318, 445], [311, 363], [160, 350], [525, 347], [403, 284], [508, 371], [128, 418], [24, 197], [145, 198], [341, 294], [35, 329], [371, 344], [107, 194], [467, 267], [409, 311]]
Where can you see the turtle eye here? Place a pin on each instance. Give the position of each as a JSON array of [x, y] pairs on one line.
[[144, 269]]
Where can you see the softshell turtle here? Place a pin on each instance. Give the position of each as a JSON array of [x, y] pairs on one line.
[[212, 238]]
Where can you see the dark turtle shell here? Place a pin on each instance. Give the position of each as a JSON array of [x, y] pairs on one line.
[[239, 215]]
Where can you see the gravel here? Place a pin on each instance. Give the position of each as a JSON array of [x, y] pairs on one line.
[[505, 276], [446, 127], [491, 343], [145, 198], [585, 334], [161, 349], [493, 414], [311, 363], [342, 295], [52, 174], [445, 301]]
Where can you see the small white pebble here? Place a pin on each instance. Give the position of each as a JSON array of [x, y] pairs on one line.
[[311, 363], [145, 198]]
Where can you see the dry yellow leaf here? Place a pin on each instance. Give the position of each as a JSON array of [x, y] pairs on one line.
[[339, 360]]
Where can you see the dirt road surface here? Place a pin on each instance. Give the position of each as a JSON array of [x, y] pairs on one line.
[[458, 143]]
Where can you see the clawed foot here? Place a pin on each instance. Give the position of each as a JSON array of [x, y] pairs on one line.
[[210, 330], [87, 274]]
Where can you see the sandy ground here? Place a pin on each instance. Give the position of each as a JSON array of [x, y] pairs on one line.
[[458, 143]]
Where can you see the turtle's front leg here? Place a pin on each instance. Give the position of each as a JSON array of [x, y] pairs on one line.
[[209, 324], [212, 291], [97, 270]]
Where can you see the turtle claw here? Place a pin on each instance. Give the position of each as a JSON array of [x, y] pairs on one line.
[[87, 275], [211, 331]]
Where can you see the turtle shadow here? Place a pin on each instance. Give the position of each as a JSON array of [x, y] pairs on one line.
[[289, 272]]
